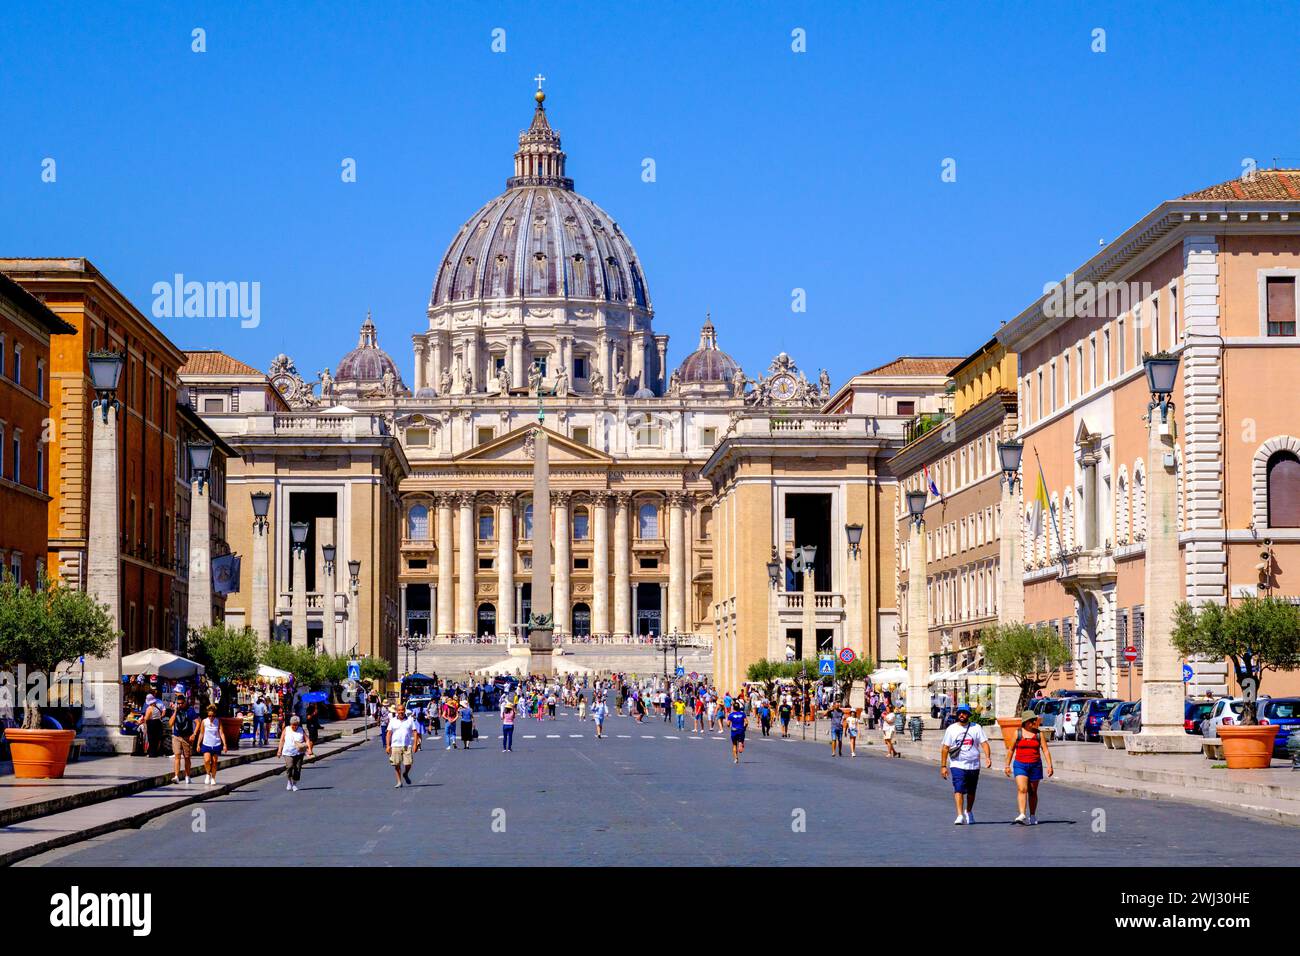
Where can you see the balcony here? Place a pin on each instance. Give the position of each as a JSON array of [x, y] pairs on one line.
[[822, 601], [418, 544], [1088, 569]]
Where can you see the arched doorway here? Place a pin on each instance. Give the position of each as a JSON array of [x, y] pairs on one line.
[[487, 620], [581, 620], [649, 614]]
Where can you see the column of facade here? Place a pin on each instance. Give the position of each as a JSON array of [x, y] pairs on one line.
[[465, 624], [446, 567], [471, 356], [560, 598], [103, 685], [676, 620], [600, 563], [517, 375], [200, 583], [602, 360], [505, 563], [439, 361], [261, 607], [419, 364], [636, 360], [622, 567]]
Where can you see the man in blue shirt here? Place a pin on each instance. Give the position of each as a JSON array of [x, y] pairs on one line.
[[736, 717]]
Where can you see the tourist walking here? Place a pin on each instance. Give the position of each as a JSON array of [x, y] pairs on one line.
[[467, 722], [679, 707], [960, 753], [836, 714], [507, 728], [851, 722], [182, 725], [1026, 758], [401, 743], [294, 746], [888, 722], [450, 712], [784, 712], [213, 743], [599, 711], [261, 730], [738, 720]]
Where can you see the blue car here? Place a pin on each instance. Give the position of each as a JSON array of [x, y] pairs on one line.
[[1283, 713], [1088, 726]]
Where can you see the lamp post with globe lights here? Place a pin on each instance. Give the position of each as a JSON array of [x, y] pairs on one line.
[[775, 645], [918, 610], [327, 621], [1011, 565], [354, 616], [298, 539]]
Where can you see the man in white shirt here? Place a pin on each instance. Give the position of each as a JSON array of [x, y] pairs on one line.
[[960, 752], [401, 743]]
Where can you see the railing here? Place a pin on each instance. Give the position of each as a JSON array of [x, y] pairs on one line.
[[315, 601], [822, 600]]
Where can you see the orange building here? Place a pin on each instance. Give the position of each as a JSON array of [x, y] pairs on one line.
[[26, 328], [1210, 278], [102, 318]]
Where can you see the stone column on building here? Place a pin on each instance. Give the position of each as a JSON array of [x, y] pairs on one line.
[[600, 563], [402, 629], [505, 527], [918, 627], [661, 347], [1011, 589], [622, 566], [465, 618], [419, 363], [676, 620], [471, 357], [329, 634], [810, 611], [260, 601], [446, 567], [518, 377], [298, 599], [602, 360], [1162, 671], [561, 601], [103, 684], [439, 360], [637, 360], [200, 582]]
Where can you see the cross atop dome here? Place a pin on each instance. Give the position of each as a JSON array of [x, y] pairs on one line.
[[539, 160]]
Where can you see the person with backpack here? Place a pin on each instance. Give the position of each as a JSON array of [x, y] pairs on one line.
[[960, 754], [1026, 758], [182, 723]]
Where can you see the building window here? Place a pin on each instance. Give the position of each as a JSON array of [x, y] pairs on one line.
[[417, 523], [484, 436], [486, 525], [540, 362], [647, 436], [1123, 348], [1284, 490], [581, 525], [1280, 302], [16, 444], [213, 406], [417, 437], [647, 523], [526, 521], [708, 437], [706, 523], [582, 436], [579, 367], [40, 379], [907, 408]]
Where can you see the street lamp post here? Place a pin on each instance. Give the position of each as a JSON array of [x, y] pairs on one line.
[[298, 537], [261, 607], [103, 693], [775, 646], [918, 612], [855, 632], [1162, 681], [805, 560], [1011, 566], [354, 623], [327, 623], [200, 582]]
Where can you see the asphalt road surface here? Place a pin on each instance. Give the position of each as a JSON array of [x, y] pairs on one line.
[[649, 794]]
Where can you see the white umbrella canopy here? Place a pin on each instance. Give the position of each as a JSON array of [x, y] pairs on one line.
[[153, 660], [890, 675], [268, 672]]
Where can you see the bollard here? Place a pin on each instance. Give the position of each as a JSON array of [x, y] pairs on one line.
[[915, 725], [1293, 746]]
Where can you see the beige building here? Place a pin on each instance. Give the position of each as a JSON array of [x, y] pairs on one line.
[[961, 528]]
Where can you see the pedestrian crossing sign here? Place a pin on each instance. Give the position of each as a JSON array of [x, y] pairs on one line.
[[826, 666]]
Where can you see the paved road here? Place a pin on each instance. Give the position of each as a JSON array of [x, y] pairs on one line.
[[648, 794]]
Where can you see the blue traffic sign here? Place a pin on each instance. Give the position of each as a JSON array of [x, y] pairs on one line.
[[1187, 673], [681, 672], [826, 666], [354, 670]]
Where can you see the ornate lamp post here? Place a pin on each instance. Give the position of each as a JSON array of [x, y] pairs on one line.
[[200, 582], [1011, 566], [854, 636], [1162, 672], [327, 622], [805, 559], [775, 646], [261, 608], [413, 642], [918, 611], [298, 538], [103, 560], [354, 617]]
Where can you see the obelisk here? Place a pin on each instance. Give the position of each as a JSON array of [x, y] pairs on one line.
[[540, 624]]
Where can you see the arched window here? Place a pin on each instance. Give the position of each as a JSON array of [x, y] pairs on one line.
[[581, 620], [417, 523], [581, 524], [486, 524], [1284, 490], [526, 523], [647, 521]]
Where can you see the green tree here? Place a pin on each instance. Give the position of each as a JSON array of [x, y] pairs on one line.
[[374, 668], [228, 655], [850, 674], [1256, 634], [1027, 654], [44, 628], [766, 672]]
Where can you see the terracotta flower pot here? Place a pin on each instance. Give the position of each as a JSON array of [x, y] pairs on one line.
[[1009, 726], [39, 754], [234, 728], [341, 711], [1248, 748]]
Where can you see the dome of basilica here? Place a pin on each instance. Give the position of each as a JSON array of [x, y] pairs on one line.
[[707, 365], [367, 362], [540, 238]]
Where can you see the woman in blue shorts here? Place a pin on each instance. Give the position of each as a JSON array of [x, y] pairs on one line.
[[211, 742], [1026, 758]]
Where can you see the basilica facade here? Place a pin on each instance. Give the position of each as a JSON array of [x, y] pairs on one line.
[[541, 312]]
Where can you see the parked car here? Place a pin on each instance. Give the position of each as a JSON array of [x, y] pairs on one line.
[[1284, 713], [1065, 692], [1115, 719], [1195, 710], [1049, 710], [1132, 721], [1092, 715], [1227, 710], [1067, 723]]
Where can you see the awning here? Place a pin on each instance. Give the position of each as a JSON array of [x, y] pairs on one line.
[[267, 672], [889, 675], [165, 664]]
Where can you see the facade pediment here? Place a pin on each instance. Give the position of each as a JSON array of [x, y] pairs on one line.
[[516, 447]]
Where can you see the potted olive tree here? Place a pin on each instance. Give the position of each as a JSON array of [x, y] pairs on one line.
[[41, 629], [229, 655], [1029, 656], [1256, 635]]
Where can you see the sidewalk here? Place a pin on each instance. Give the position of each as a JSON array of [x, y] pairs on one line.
[[98, 795], [1272, 794]]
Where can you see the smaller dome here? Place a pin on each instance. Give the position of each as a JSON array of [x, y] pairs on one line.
[[367, 362], [707, 365], [426, 392], [644, 392]]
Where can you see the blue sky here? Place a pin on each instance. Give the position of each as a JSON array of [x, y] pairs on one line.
[[775, 170]]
